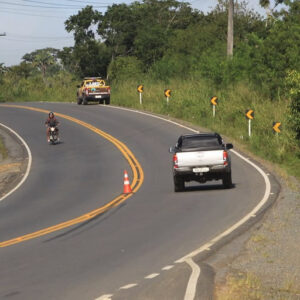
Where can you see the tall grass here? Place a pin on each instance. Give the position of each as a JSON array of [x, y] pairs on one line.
[[3, 151], [58, 88], [190, 101]]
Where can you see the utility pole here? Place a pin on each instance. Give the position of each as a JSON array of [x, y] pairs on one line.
[[230, 29]]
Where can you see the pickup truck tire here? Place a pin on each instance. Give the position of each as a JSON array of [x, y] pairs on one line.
[[178, 184], [84, 100], [79, 101], [107, 101], [227, 180]]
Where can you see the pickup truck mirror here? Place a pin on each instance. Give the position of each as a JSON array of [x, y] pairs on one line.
[[229, 146], [172, 149]]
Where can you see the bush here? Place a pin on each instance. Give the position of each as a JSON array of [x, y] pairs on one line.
[[123, 68]]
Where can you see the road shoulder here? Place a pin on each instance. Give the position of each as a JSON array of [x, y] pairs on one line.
[[264, 262], [13, 167]]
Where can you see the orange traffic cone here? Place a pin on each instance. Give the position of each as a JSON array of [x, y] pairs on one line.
[[127, 188]]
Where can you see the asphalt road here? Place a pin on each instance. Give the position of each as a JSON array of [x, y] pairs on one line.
[[149, 231]]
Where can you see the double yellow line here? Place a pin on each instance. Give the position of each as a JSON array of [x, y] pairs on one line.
[[137, 180]]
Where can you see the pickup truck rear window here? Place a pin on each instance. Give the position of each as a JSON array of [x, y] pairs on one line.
[[200, 142]]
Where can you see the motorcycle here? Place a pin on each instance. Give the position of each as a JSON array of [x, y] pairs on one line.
[[54, 139]]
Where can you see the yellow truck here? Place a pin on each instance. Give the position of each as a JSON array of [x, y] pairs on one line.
[[93, 89]]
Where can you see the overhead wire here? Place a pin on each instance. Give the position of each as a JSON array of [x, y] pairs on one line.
[[27, 41], [40, 6], [11, 34], [47, 3], [6, 11]]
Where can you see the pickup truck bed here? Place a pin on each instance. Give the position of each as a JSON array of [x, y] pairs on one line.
[[201, 158]]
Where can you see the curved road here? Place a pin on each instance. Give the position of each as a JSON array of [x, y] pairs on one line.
[[150, 230]]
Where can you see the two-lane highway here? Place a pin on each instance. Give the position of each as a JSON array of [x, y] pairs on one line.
[[150, 230]]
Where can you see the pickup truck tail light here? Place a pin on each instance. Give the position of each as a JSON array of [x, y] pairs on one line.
[[108, 90], [175, 161], [225, 158], [86, 91]]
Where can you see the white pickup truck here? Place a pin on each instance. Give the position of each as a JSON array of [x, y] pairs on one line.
[[201, 157]]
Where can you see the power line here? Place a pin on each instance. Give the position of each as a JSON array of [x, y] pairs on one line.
[[47, 3], [89, 2], [34, 41], [11, 34], [29, 14], [40, 6]]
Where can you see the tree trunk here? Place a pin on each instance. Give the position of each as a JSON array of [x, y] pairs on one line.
[[230, 29]]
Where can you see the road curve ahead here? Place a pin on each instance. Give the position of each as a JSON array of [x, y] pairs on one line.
[[148, 231]]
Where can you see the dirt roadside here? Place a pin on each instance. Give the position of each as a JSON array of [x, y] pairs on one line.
[[13, 167], [264, 262]]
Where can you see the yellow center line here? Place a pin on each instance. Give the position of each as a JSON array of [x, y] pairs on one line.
[[137, 180]]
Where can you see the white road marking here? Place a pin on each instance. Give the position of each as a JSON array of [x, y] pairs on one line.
[[239, 223], [128, 286], [105, 297], [167, 268], [192, 284], [28, 164], [154, 116], [151, 276], [205, 247]]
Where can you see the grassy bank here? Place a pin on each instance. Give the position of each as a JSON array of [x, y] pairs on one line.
[[3, 151], [190, 101], [59, 88]]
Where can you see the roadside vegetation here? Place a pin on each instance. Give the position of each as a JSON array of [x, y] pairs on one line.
[[3, 151], [167, 44]]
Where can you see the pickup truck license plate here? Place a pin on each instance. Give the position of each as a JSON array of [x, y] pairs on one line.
[[98, 96], [200, 170]]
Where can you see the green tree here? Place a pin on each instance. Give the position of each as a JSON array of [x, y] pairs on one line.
[[123, 68], [83, 25], [88, 57], [293, 84], [42, 59], [118, 28]]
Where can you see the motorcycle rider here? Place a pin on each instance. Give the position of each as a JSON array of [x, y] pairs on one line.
[[51, 122]]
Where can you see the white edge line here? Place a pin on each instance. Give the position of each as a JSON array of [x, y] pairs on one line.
[[192, 284], [153, 116], [105, 297], [167, 268], [151, 276], [28, 164], [128, 286], [243, 220], [239, 223]]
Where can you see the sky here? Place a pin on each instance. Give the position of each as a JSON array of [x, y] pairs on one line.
[[37, 24]]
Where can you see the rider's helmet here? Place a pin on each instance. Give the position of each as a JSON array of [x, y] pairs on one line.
[[51, 115]]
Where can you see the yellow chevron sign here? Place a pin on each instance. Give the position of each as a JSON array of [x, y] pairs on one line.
[[276, 126], [140, 88], [168, 93], [250, 114], [214, 100]]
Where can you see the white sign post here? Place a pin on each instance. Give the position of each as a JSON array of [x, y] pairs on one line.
[[249, 127], [141, 98]]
